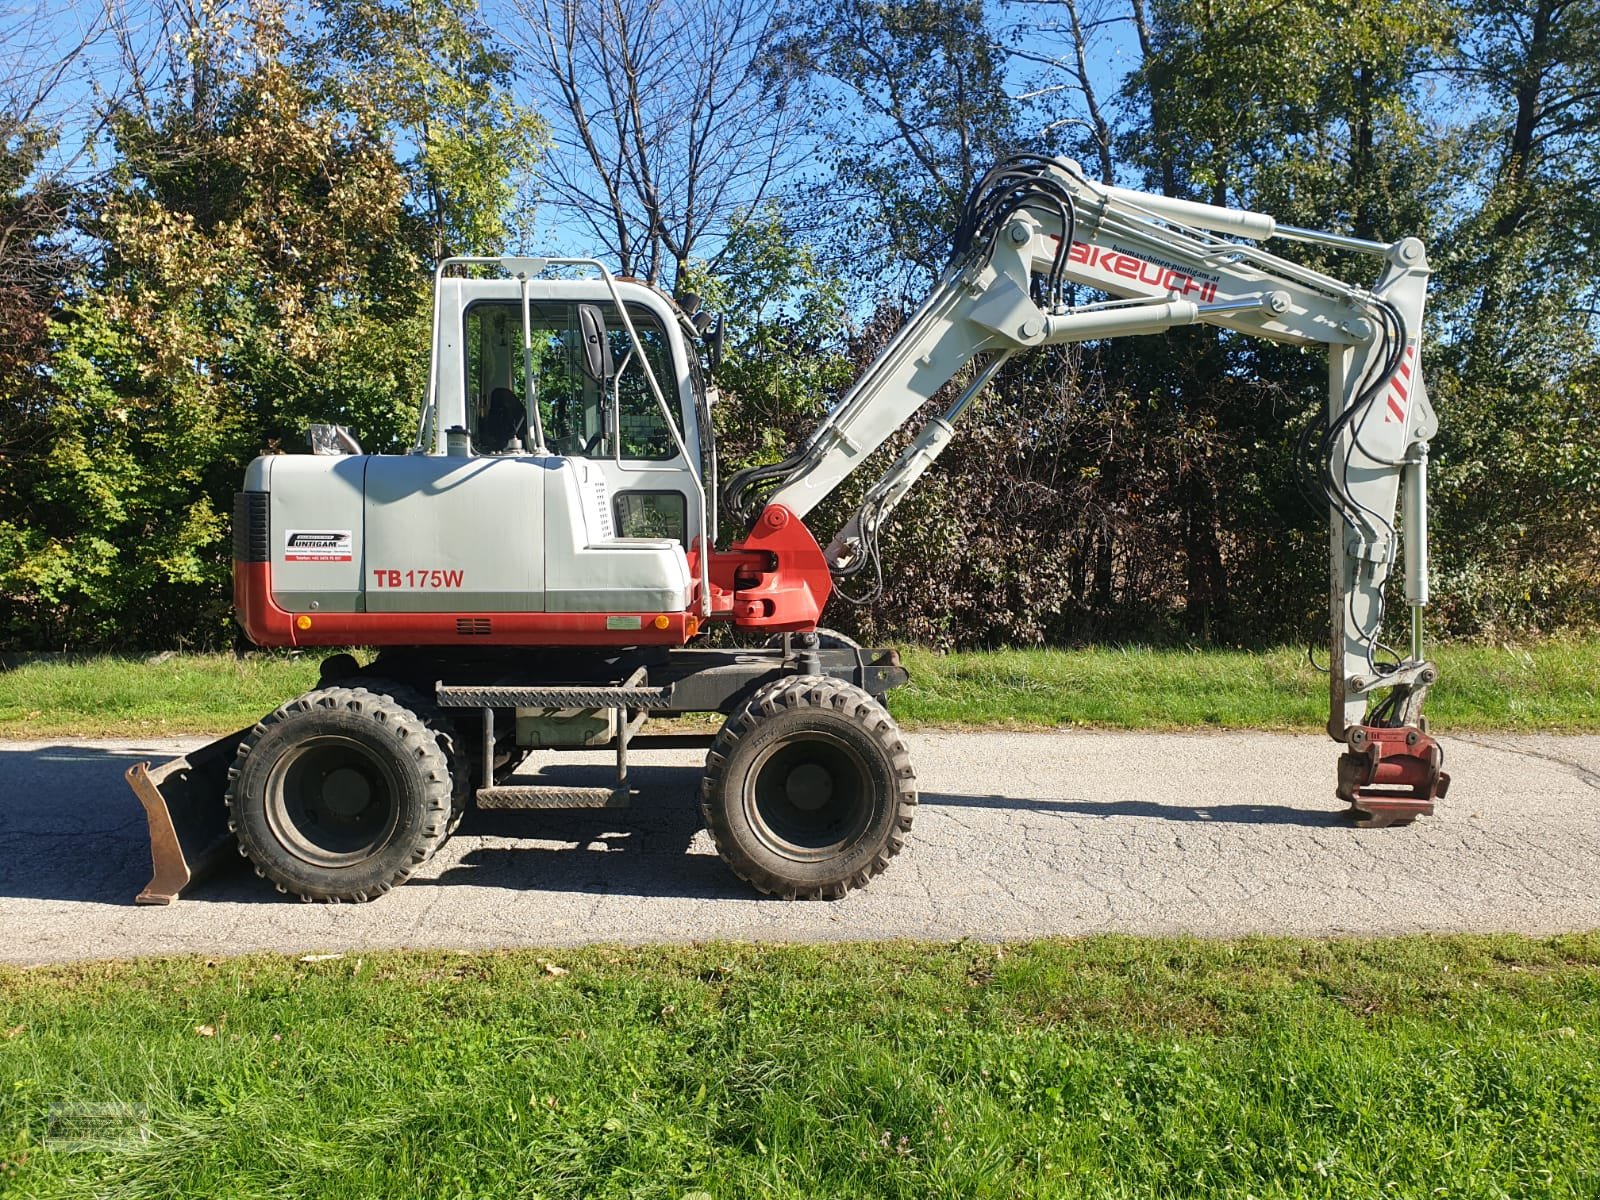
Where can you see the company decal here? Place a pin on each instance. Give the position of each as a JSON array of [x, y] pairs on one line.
[[317, 545], [1114, 261]]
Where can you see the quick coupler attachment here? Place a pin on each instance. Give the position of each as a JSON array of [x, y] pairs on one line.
[[1391, 775]]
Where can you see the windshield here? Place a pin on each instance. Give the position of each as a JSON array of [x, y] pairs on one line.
[[572, 406]]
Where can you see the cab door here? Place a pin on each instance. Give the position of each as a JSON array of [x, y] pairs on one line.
[[615, 426]]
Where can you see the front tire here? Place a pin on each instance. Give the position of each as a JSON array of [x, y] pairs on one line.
[[339, 795], [809, 790]]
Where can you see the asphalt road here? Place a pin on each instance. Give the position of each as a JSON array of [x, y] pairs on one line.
[[1017, 835]]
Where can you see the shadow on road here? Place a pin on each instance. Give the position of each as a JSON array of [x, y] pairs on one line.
[[1215, 814], [73, 830], [645, 850]]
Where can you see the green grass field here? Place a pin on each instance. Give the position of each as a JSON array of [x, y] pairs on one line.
[[127, 697], [1419, 1067], [1553, 686]]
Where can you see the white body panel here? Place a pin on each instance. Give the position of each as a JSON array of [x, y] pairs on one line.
[[431, 533]]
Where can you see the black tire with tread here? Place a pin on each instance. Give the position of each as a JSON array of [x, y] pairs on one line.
[[782, 714], [445, 732], [387, 729]]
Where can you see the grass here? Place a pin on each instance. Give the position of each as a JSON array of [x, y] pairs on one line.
[[108, 696], [1419, 1067], [1552, 686], [1548, 687]]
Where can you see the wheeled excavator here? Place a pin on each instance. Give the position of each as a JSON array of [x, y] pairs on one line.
[[537, 574]]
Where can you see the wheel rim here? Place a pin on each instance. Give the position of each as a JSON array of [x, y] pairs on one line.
[[809, 799], [332, 801]]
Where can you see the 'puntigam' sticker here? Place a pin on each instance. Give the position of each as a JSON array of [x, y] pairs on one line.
[[317, 545]]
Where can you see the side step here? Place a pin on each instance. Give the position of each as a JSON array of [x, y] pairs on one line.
[[523, 795], [599, 696], [632, 696]]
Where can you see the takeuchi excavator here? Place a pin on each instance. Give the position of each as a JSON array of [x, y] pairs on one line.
[[537, 574]]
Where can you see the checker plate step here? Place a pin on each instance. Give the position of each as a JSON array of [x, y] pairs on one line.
[[524, 795], [554, 697]]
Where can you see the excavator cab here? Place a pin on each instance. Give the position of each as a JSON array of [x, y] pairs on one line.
[[593, 397]]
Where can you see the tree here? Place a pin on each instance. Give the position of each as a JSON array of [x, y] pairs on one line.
[[918, 111], [432, 73], [1520, 482], [785, 353], [1534, 66], [1063, 54], [257, 269], [670, 119]]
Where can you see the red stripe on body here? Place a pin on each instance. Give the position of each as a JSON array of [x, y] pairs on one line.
[[267, 624]]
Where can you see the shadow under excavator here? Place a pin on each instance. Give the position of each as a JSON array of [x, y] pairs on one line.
[[1211, 814], [643, 850], [73, 830]]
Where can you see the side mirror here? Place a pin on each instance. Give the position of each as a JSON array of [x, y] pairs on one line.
[[714, 342], [597, 362]]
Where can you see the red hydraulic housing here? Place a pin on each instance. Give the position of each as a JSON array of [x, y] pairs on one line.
[[774, 578], [1391, 776]]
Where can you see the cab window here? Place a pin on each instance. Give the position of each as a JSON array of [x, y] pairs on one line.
[[571, 405]]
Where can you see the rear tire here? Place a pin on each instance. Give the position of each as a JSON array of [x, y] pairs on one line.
[[339, 795], [809, 790], [446, 732]]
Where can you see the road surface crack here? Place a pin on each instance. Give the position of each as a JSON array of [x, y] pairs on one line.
[[1585, 775]]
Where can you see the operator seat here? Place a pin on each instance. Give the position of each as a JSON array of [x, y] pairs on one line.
[[506, 419]]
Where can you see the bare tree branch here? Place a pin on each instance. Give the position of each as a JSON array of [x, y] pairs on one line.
[[669, 120]]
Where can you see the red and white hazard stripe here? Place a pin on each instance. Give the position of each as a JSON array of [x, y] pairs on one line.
[[1400, 387]]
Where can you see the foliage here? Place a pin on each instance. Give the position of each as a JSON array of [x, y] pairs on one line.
[[1146, 487], [671, 120], [1520, 363], [34, 266], [783, 355], [254, 244], [255, 257], [432, 72], [262, 265], [916, 93], [34, 262]]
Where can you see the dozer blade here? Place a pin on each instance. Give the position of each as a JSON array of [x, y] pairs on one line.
[[183, 802]]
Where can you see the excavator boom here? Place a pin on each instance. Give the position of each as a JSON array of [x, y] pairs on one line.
[[1036, 225]]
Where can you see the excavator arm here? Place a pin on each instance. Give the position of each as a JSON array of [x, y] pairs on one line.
[[1035, 225]]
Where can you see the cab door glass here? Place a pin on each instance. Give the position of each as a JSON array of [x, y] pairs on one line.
[[572, 406]]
